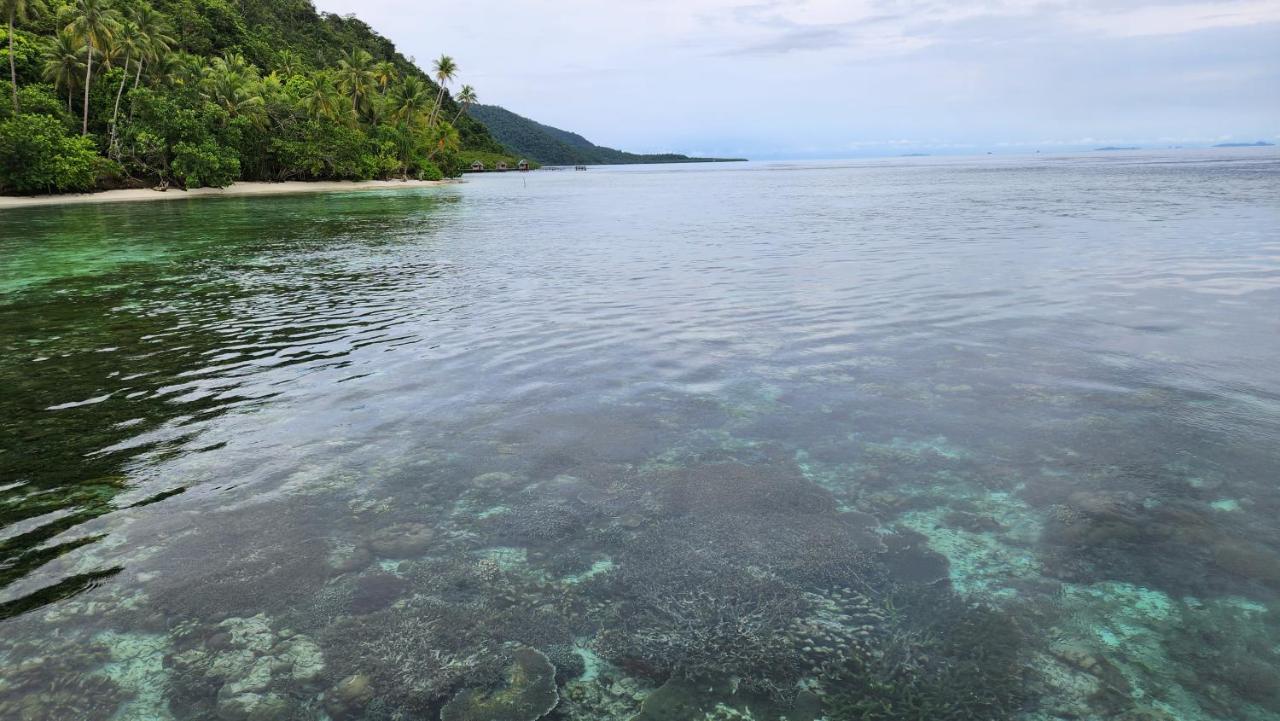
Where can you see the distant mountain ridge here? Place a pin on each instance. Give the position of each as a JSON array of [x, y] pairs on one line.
[[553, 146]]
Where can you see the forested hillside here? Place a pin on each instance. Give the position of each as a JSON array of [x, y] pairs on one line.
[[553, 146], [117, 93]]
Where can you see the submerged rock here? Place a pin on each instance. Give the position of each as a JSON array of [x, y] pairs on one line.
[[497, 480], [530, 693], [402, 540], [349, 696], [349, 558], [376, 591]]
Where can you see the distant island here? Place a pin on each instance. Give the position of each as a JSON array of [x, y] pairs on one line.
[[553, 146], [1259, 144], [1118, 147]]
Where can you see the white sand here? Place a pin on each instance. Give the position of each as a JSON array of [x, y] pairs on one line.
[[236, 189]]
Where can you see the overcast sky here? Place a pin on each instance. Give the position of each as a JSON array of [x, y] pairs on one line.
[[832, 78]]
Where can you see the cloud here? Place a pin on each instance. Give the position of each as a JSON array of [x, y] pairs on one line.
[[818, 38], [735, 74]]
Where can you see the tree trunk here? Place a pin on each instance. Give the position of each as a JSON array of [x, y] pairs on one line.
[[439, 100], [115, 114], [88, 81], [136, 81], [13, 69]]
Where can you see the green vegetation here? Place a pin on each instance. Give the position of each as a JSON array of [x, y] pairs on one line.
[[553, 146], [192, 93]]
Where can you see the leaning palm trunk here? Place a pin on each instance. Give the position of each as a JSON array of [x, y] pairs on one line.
[[137, 80], [436, 108], [115, 114], [88, 80]]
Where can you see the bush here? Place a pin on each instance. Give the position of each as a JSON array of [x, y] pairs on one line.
[[206, 164], [180, 139], [40, 99], [321, 151], [429, 171], [38, 155]]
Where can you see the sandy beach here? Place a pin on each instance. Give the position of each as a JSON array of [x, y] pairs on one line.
[[234, 190]]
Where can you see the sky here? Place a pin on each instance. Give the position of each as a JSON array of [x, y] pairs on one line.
[[843, 78]]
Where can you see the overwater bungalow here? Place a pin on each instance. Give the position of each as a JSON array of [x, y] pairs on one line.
[[477, 167], [523, 165], [502, 165]]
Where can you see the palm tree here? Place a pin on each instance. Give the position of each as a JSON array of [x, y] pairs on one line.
[[410, 100], [233, 84], [94, 23], [153, 37], [63, 63], [383, 73], [16, 10], [445, 69], [466, 98], [442, 137], [288, 63], [319, 98], [128, 41], [355, 74]]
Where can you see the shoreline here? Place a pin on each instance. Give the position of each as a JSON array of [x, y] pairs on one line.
[[243, 189]]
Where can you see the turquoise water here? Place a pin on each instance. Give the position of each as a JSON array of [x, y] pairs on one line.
[[899, 439]]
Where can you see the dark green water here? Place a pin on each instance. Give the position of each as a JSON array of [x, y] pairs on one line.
[[926, 439]]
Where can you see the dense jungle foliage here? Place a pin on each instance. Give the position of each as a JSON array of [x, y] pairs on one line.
[[191, 93], [553, 146]]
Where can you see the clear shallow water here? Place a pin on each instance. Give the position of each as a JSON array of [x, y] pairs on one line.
[[945, 439]]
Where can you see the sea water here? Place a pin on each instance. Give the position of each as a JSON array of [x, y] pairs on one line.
[[922, 438]]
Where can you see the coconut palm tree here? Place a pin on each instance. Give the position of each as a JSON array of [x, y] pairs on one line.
[[319, 98], [383, 73], [443, 137], [94, 23], [63, 65], [410, 100], [355, 75], [128, 42], [233, 84], [154, 39], [288, 63], [18, 10], [466, 98], [445, 69]]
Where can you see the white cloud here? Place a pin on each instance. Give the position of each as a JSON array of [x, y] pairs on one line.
[[733, 74]]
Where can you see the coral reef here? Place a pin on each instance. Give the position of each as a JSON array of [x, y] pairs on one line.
[[569, 664], [243, 670], [376, 591], [401, 540], [412, 657], [40, 683], [529, 693], [943, 659]]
